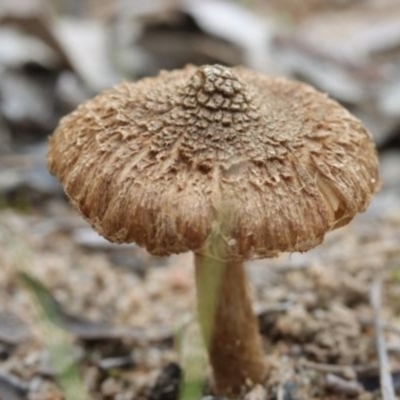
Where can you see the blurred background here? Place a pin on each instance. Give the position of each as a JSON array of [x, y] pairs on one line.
[[56, 54]]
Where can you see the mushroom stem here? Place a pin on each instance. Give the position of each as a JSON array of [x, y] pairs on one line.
[[228, 324]]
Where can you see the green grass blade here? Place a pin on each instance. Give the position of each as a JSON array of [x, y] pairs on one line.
[[56, 339]]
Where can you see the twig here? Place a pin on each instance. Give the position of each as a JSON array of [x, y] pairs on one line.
[[385, 373], [343, 386], [346, 371]]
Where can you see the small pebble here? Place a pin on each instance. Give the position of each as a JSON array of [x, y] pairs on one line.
[[116, 362], [110, 387]]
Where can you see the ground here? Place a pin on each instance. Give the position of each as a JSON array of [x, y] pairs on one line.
[[125, 310]]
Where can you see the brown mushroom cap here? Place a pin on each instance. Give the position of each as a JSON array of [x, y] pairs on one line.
[[167, 162]]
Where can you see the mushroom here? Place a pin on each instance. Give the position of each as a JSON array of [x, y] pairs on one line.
[[225, 162]]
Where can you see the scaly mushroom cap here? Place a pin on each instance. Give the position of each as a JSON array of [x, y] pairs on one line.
[[267, 164]]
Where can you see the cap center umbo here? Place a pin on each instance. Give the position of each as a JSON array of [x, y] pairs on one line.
[[218, 110], [216, 88]]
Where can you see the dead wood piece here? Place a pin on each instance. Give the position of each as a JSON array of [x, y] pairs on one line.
[[387, 386], [339, 385]]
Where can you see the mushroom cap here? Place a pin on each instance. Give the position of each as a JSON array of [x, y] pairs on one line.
[[215, 155]]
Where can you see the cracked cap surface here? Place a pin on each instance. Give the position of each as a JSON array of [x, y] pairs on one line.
[[268, 164]]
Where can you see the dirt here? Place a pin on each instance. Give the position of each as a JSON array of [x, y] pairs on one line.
[[314, 310]]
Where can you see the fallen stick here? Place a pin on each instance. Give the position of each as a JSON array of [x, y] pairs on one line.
[[387, 387]]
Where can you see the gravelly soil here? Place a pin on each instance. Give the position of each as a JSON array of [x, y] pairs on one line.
[[314, 309]]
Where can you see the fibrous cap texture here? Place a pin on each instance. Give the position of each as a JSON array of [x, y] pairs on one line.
[[202, 154]]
